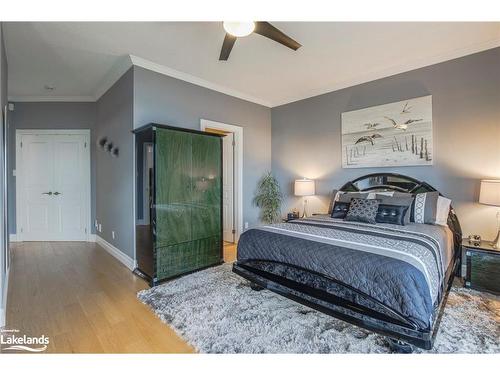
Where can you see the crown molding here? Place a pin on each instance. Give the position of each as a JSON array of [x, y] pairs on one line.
[[118, 69], [394, 70], [162, 69], [40, 98]]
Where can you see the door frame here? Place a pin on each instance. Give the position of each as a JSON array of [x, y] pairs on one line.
[[86, 172], [238, 166]]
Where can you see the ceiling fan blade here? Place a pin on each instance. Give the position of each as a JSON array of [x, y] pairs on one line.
[[271, 32], [227, 46]]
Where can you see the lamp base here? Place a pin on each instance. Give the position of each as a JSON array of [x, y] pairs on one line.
[[304, 212]]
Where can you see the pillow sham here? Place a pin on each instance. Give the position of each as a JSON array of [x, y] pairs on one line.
[[430, 208], [363, 210], [374, 194], [339, 210], [405, 200], [347, 197]]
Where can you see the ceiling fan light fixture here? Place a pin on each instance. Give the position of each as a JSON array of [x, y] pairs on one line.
[[239, 29]]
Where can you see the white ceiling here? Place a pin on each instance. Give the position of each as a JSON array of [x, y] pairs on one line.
[[83, 59]]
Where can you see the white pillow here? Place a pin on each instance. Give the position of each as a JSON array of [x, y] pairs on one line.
[[442, 210]]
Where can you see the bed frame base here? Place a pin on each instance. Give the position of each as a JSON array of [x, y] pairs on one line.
[[399, 346], [355, 314]]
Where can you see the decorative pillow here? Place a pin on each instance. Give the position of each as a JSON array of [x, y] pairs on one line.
[[402, 200], [363, 210], [391, 214], [430, 208], [340, 210]]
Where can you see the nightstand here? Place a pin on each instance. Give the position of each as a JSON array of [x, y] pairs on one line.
[[483, 267]]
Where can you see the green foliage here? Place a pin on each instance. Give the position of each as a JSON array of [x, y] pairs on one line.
[[269, 199]]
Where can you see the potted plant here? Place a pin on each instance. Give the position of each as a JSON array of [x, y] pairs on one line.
[[269, 198]]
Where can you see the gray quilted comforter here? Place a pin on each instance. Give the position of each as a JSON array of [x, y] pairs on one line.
[[401, 266]]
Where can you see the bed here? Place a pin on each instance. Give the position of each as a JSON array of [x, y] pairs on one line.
[[387, 278]]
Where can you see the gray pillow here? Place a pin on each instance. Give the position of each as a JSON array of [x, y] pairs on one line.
[[399, 194], [402, 200], [363, 210], [346, 197], [424, 208]]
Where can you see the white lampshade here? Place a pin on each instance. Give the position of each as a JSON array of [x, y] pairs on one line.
[[490, 192], [304, 187]]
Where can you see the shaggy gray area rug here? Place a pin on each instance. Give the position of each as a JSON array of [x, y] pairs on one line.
[[216, 312]]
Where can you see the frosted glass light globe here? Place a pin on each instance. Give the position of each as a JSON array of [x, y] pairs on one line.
[[239, 29]]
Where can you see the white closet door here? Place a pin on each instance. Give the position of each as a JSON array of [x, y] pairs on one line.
[[53, 178], [69, 188], [228, 187], [37, 173]]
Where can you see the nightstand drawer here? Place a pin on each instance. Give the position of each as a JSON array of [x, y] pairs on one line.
[[483, 271]]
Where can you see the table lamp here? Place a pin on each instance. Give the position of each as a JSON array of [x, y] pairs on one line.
[[304, 188], [490, 195]]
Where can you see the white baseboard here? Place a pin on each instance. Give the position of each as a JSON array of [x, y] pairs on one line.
[[122, 257], [90, 238], [3, 302]]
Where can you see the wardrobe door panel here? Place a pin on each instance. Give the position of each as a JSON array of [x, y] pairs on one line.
[[173, 187], [206, 195], [186, 257]]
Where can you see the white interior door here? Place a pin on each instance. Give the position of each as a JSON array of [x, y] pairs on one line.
[[53, 181], [236, 133], [228, 187]]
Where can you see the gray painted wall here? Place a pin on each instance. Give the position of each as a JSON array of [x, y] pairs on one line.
[[166, 100], [3, 68], [3, 249], [50, 115], [466, 118], [115, 176]]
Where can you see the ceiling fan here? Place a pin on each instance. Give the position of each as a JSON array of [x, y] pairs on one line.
[[236, 30]]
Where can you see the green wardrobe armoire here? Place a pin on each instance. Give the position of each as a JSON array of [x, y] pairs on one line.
[[178, 201]]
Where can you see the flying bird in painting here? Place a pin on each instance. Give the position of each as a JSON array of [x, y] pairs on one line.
[[402, 126], [410, 121], [397, 126], [406, 108], [370, 125], [368, 138]]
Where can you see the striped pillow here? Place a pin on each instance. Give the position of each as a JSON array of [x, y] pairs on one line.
[[430, 208]]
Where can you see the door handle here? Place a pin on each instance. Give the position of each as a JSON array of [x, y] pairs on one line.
[[49, 193], [57, 193]]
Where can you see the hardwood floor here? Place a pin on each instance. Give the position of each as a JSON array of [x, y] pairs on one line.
[[85, 301], [229, 252]]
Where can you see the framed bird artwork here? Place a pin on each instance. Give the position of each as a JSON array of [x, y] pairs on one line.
[[389, 135]]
